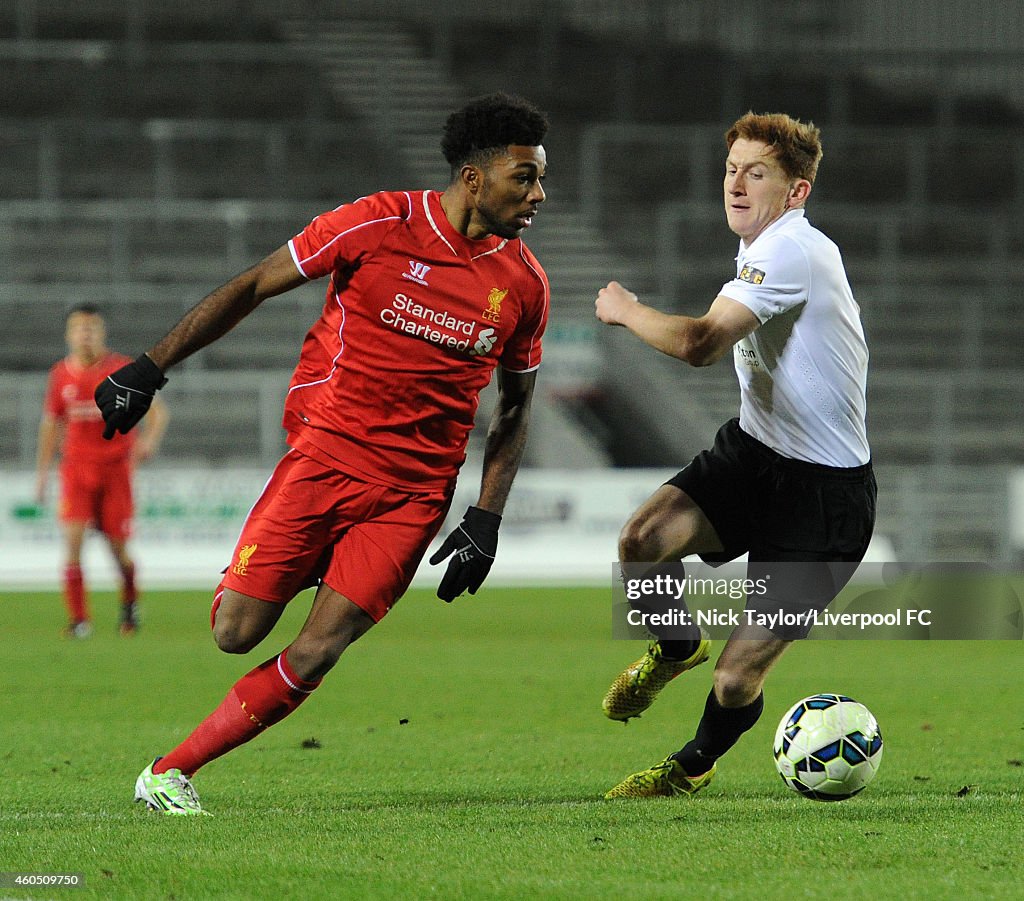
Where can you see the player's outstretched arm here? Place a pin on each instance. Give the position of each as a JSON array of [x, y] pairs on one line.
[[222, 309], [473, 545], [699, 341], [125, 395]]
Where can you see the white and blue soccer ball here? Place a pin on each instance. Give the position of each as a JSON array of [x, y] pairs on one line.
[[828, 747]]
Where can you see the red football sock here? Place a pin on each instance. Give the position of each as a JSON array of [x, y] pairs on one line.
[[74, 593], [129, 593], [262, 697]]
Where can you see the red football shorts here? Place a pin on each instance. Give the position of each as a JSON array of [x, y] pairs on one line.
[[100, 494], [314, 523]]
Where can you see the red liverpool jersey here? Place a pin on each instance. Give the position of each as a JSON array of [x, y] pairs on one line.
[[69, 398], [416, 318]]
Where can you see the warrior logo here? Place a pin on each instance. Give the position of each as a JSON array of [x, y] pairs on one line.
[[417, 273], [244, 554]]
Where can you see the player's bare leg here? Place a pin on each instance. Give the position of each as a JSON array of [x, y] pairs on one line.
[[744, 664], [74, 537], [334, 622], [76, 599], [667, 526], [241, 622]]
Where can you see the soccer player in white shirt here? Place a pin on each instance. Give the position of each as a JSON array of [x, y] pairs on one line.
[[790, 480]]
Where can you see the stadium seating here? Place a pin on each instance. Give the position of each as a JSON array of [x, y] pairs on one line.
[[164, 151]]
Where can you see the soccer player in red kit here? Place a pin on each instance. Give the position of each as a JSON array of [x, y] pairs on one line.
[[95, 475], [428, 293]]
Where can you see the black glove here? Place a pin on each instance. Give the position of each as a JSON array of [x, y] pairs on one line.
[[124, 396], [474, 543]]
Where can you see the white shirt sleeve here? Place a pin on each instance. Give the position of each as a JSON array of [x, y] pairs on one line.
[[773, 276]]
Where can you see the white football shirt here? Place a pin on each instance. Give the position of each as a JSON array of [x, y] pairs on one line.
[[803, 371]]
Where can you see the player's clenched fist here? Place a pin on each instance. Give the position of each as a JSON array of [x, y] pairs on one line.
[[125, 395], [613, 302]]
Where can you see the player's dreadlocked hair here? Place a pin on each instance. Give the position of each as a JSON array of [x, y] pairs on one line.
[[489, 124]]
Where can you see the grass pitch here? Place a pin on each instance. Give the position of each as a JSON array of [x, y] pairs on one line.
[[459, 751]]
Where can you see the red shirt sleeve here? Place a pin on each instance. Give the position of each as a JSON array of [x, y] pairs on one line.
[[522, 351], [336, 240]]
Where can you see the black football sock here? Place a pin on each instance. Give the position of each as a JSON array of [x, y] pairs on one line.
[[678, 649], [719, 729], [684, 640]]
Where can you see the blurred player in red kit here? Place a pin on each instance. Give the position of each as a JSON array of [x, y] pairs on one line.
[[95, 475], [428, 293]]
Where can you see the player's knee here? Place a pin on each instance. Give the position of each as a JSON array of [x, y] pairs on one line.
[[232, 637], [240, 622], [231, 642], [633, 542], [736, 686]]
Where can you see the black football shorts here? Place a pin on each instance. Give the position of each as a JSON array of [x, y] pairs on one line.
[[782, 512]]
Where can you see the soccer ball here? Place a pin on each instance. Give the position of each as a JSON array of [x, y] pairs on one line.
[[828, 747]]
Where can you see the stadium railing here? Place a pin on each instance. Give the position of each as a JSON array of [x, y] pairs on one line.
[[945, 506]]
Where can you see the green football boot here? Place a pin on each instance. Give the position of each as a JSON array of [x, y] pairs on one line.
[[636, 687], [664, 780], [170, 793]]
